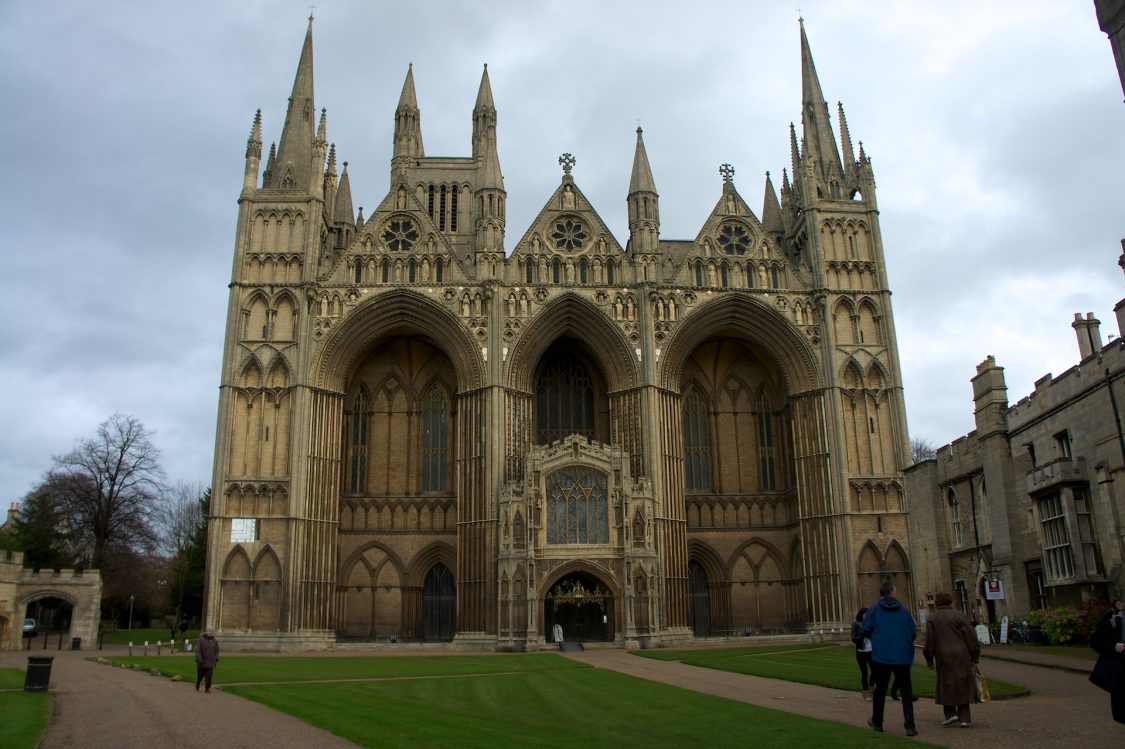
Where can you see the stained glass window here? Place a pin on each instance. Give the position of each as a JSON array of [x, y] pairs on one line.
[[400, 235], [435, 441], [564, 400], [359, 443], [577, 512], [697, 443]]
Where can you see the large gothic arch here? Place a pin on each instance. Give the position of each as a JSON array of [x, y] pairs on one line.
[[398, 312], [744, 318], [572, 316]]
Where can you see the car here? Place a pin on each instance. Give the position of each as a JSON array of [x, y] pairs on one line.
[[29, 627]]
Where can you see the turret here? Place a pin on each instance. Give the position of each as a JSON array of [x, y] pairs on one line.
[[296, 166], [490, 196], [771, 211], [644, 203]]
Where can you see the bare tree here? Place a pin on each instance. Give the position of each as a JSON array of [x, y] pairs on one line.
[[108, 485], [180, 517], [921, 449]]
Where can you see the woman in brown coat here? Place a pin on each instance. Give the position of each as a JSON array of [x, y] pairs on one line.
[[952, 647]]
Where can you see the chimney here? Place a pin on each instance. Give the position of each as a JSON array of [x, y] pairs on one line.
[[1094, 331], [1080, 330]]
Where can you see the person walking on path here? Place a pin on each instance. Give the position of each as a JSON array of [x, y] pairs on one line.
[[891, 629], [952, 648], [1109, 672], [862, 652], [206, 657]]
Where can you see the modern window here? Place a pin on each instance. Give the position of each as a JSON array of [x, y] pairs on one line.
[[1057, 556]]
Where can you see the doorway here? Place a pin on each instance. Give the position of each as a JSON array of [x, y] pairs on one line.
[[582, 607], [439, 605]]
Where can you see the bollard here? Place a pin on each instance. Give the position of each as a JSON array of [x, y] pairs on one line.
[[158, 647], [130, 649], [146, 647]]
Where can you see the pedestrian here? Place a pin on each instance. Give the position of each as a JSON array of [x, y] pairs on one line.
[[206, 657], [891, 629], [862, 653], [951, 649], [1109, 672]]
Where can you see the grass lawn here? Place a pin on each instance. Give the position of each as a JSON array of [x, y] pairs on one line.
[[138, 636], [541, 700], [824, 665], [24, 713]]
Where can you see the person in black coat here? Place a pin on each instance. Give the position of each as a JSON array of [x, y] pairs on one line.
[[1109, 642]]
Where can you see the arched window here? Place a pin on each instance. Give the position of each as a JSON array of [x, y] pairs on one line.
[[360, 410], [583, 270], [453, 209], [430, 204], [609, 266], [385, 271], [775, 277], [412, 269], [564, 400], [441, 210], [724, 276], [358, 269], [698, 272], [577, 512], [439, 270], [765, 445], [439, 604], [556, 267], [697, 443], [529, 269], [955, 519], [435, 441], [700, 599]]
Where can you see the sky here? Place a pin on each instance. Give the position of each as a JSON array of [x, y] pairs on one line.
[[995, 133]]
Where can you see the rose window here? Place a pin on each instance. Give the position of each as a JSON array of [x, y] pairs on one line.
[[734, 239], [569, 235], [400, 235]]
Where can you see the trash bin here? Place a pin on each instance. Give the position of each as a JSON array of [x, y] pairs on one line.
[[38, 673], [75, 643]]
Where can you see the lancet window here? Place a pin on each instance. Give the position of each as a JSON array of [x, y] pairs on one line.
[[360, 410], [697, 443], [435, 441], [577, 512]]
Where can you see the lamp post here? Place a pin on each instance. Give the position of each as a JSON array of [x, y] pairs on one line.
[[130, 611]]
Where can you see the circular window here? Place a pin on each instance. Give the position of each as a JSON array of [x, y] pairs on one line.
[[569, 234], [734, 239], [400, 235]]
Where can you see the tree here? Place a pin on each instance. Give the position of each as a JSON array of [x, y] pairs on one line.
[[182, 520], [107, 487], [40, 530], [921, 449]]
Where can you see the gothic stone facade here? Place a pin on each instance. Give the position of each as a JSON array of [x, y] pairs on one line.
[[1032, 498], [426, 433]]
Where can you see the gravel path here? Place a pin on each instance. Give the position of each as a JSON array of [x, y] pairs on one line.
[[98, 706]]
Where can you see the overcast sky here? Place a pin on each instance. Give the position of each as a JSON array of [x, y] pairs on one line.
[[995, 130]]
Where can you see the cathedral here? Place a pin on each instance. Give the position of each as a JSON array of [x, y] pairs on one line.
[[433, 430]]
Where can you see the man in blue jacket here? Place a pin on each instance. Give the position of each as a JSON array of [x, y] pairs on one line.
[[891, 629]]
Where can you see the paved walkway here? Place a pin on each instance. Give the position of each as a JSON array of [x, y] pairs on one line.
[[98, 706]]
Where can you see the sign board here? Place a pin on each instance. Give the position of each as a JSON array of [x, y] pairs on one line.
[[994, 590], [982, 634], [1004, 629]]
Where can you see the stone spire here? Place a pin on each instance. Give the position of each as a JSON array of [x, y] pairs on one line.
[[408, 125], [846, 140], [771, 210], [484, 117], [644, 202], [342, 212], [294, 168], [253, 153], [816, 129]]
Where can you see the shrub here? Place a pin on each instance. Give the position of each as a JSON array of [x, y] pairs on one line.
[[1059, 625]]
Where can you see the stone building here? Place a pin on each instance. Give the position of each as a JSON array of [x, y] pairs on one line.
[[428, 431], [73, 599], [1111, 20], [1032, 502]]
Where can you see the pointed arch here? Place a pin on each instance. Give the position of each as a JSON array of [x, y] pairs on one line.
[[572, 316]]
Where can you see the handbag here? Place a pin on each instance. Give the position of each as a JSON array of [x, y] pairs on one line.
[[1107, 673], [982, 695]]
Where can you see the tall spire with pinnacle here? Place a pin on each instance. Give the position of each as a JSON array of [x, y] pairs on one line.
[[294, 168], [253, 153], [643, 201], [771, 210], [484, 116], [815, 127], [846, 140], [342, 211], [408, 125]]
